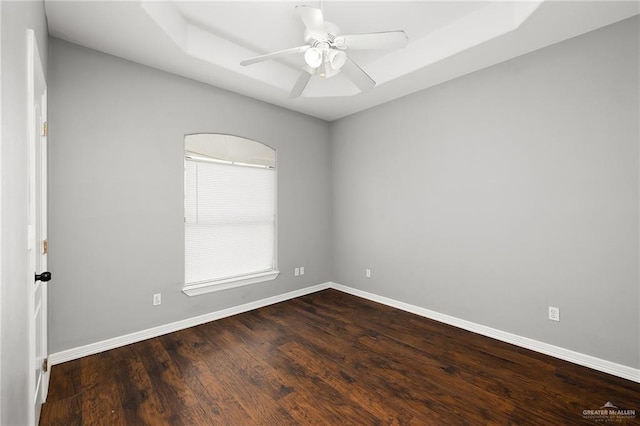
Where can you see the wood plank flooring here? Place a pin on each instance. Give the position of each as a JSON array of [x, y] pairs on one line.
[[328, 358]]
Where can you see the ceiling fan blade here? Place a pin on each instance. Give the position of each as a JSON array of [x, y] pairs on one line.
[[274, 55], [382, 40], [357, 75], [313, 20], [300, 85]]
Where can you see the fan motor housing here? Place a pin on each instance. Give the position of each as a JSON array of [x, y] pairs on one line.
[[332, 32]]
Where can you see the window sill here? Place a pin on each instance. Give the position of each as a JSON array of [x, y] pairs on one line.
[[213, 286]]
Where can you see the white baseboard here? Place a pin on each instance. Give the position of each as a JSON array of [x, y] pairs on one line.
[[138, 336], [609, 367]]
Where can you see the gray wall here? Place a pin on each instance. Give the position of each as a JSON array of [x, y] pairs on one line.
[[495, 195], [116, 172], [488, 198], [14, 349]]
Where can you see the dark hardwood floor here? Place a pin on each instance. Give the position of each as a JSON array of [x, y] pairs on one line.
[[328, 358]]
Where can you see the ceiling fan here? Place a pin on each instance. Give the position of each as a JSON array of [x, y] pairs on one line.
[[325, 52]]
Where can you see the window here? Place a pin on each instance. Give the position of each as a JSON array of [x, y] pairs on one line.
[[229, 213]]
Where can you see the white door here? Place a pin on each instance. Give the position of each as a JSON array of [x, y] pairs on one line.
[[37, 229]]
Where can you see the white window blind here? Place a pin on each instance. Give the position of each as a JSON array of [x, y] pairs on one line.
[[229, 221]]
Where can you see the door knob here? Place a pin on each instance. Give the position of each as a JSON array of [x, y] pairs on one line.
[[44, 277]]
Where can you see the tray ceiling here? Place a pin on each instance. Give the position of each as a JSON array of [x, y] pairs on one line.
[[206, 40]]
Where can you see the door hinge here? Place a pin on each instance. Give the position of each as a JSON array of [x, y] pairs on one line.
[[45, 365], [45, 246], [45, 129]]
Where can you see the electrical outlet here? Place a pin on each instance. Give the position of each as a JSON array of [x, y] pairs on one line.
[[296, 272], [302, 270], [367, 273], [554, 313], [157, 299]]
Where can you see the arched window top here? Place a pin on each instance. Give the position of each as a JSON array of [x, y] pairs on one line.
[[230, 149]]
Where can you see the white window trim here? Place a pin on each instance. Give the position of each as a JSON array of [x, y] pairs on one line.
[[197, 289]]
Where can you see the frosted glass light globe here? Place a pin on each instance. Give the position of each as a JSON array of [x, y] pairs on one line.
[[313, 57]]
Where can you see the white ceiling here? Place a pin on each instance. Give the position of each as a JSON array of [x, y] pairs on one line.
[[206, 40]]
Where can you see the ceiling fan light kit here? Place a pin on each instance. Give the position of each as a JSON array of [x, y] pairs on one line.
[[325, 52], [313, 57], [337, 59]]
